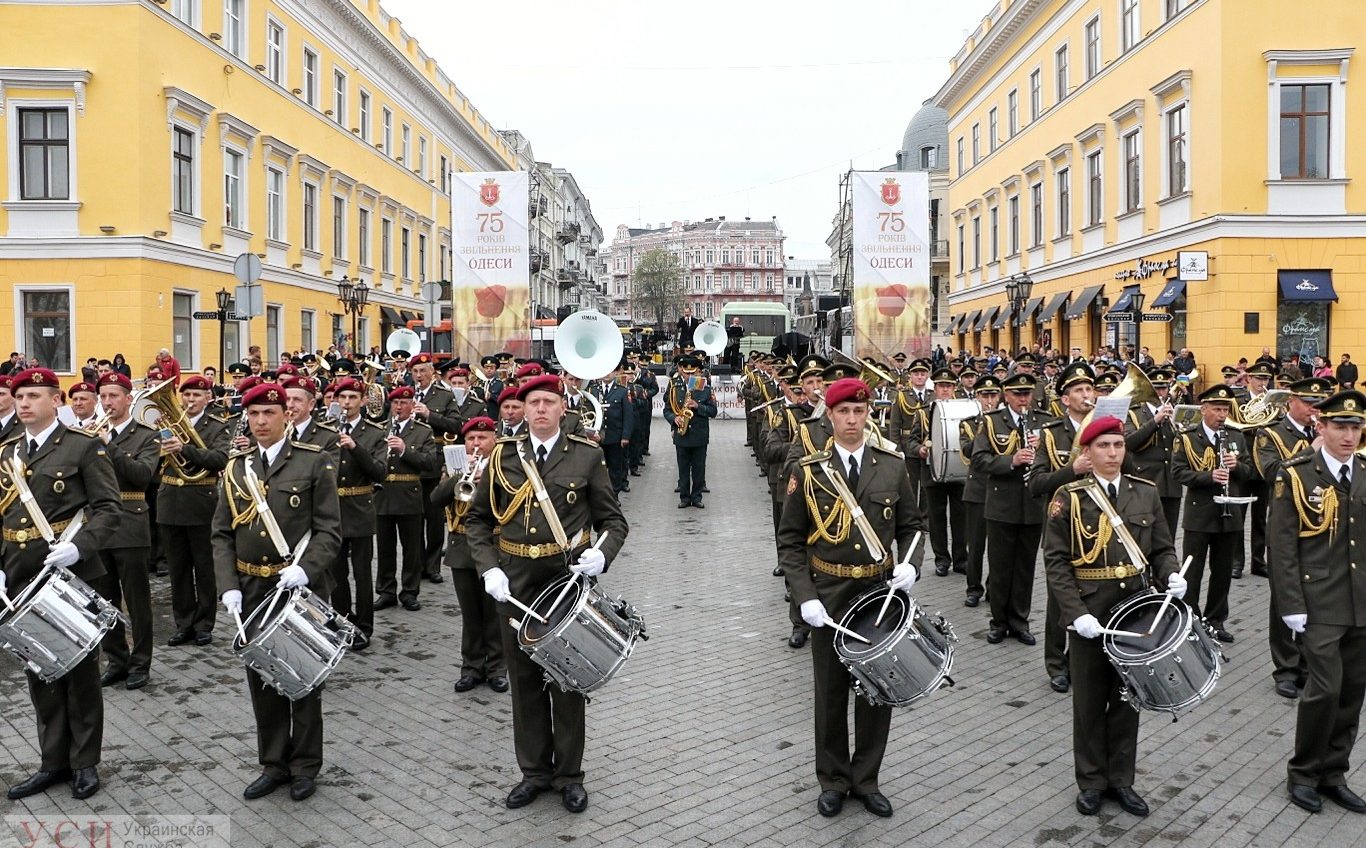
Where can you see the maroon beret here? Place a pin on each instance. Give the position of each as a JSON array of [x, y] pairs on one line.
[[401, 393], [1100, 427], [268, 394], [114, 378], [40, 377], [508, 393], [286, 369], [349, 384], [543, 383], [421, 359], [479, 424], [197, 382], [82, 387], [846, 390], [531, 369], [5, 381], [295, 382]]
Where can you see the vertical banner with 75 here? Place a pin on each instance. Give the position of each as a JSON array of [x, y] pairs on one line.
[[490, 289], [891, 298]]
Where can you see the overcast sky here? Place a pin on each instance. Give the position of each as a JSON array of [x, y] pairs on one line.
[[670, 111]]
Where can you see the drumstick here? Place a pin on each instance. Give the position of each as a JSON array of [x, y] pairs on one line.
[[1167, 601], [1105, 631], [5, 600], [846, 631], [887, 601], [240, 631], [597, 546], [526, 609]]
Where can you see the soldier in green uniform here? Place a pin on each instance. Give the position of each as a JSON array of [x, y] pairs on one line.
[[67, 471], [828, 569], [466, 405], [9, 420], [1258, 379], [911, 408], [943, 499], [434, 405], [1316, 499], [988, 393], [1090, 570], [782, 425], [300, 399], [300, 481], [1148, 436], [517, 555], [361, 466], [133, 449], [411, 455]]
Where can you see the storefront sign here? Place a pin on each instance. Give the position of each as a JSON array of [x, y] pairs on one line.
[[1145, 269], [1193, 265]]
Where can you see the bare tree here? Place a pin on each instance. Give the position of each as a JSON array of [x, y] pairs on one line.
[[658, 284]]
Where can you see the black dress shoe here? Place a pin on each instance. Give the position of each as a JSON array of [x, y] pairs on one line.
[[180, 637], [137, 680], [84, 783], [1129, 800], [706, 491], [262, 786], [1260, 571], [971, 601], [830, 803], [941, 571], [675, 490], [498, 684], [1024, 637], [697, 502], [1088, 802], [466, 683], [1305, 797], [112, 676], [435, 578], [385, 601], [1237, 574], [1344, 798], [1287, 689], [996, 636], [574, 798], [684, 504], [1060, 682], [38, 782], [626, 487], [798, 637], [302, 787], [1223, 635], [877, 804], [361, 642], [411, 604], [203, 637], [777, 571], [522, 794], [635, 472]]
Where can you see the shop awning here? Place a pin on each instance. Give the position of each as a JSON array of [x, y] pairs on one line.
[[1003, 317], [1030, 308], [985, 320], [1307, 285], [1082, 303], [954, 322], [409, 316], [1124, 301], [391, 316], [1053, 306], [1170, 292], [970, 322]]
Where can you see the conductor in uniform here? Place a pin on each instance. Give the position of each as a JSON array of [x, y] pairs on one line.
[[1320, 586], [68, 470], [300, 482], [829, 570], [1089, 572], [517, 555]]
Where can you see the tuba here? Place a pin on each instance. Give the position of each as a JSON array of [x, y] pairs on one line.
[[375, 395], [170, 415], [589, 346], [1135, 386], [710, 338], [1260, 411]]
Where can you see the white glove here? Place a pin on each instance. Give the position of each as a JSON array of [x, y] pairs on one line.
[[3, 584], [63, 555], [813, 613], [903, 577], [1296, 622], [293, 576], [591, 562], [1087, 626], [1176, 586], [496, 585], [232, 601]]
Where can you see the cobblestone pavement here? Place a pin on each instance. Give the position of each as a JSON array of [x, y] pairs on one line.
[[705, 736]]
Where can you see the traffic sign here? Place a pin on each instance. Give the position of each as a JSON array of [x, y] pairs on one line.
[[247, 268], [431, 292], [1159, 317], [1118, 317], [213, 316]]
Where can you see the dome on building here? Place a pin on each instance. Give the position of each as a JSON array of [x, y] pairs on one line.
[[925, 146]]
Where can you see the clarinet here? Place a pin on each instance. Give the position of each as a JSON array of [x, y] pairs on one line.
[[1024, 439], [393, 431], [1220, 442]]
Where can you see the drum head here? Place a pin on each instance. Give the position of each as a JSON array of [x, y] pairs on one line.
[[860, 619], [533, 630], [1136, 616], [262, 618]]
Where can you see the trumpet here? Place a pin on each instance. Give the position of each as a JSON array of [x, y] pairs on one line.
[[469, 478]]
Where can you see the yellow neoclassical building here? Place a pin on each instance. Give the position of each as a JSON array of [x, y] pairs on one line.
[[1094, 143], [149, 144]]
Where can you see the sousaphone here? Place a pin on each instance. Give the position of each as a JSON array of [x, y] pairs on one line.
[[588, 345]]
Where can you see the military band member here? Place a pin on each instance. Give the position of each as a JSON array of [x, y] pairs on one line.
[[1321, 592], [1233, 380], [1148, 436], [691, 406], [829, 570], [411, 454], [361, 466], [300, 400], [10, 425], [67, 471], [466, 405], [645, 387], [1292, 434], [523, 558], [83, 398], [510, 413], [301, 491], [132, 448], [911, 408], [617, 427], [434, 405], [184, 514], [1089, 572], [481, 643], [487, 387], [782, 423], [1258, 379], [943, 499], [1211, 529], [988, 392]]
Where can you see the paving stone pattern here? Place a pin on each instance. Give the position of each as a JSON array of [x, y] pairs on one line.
[[705, 736]]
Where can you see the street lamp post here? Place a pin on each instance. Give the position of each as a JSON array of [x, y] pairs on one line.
[[223, 297], [354, 295], [1136, 304], [1020, 287]]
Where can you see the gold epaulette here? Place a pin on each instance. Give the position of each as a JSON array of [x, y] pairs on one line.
[[326, 425], [79, 432], [1078, 485], [1047, 424], [1137, 479], [417, 423], [243, 452], [583, 440], [511, 439], [306, 446], [12, 439], [883, 449], [818, 456], [1299, 458], [221, 419]]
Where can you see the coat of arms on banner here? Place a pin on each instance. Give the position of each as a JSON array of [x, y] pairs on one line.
[[489, 192], [891, 192]]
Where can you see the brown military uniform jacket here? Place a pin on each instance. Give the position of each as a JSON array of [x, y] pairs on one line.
[[136, 455], [1194, 460], [402, 492], [993, 452], [461, 413], [908, 411], [1278, 442], [1320, 570], [322, 436], [975, 489], [443, 420], [1052, 468], [190, 504], [359, 470], [1148, 450]]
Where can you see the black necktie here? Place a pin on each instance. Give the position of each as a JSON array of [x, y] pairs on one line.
[[1112, 492], [853, 472], [540, 457], [1345, 478], [265, 461], [32, 447], [346, 428]]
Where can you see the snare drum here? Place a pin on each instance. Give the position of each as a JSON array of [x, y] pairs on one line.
[[1172, 670], [910, 655], [294, 641], [57, 620], [585, 640]]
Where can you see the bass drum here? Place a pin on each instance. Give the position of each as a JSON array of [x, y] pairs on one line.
[[946, 457]]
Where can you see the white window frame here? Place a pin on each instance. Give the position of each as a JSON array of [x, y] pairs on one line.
[[196, 169], [242, 28], [365, 104], [189, 363], [1062, 72], [405, 246], [277, 55], [1062, 177], [309, 81], [186, 11], [976, 144], [405, 145], [387, 132], [12, 107], [20, 324], [1013, 224], [1337, 111], [1130, 24], [1167, 111], [308, 320], [1135, 137], [340, 84], [1037, 224], [993, 129], [274, 346], [241, 223], [339, 227], [1095, 52], [277, 204], [422, 156], [309, 227], [1035, 94], [1095, 173], [386, 245], [363, 236], [1012, 112]]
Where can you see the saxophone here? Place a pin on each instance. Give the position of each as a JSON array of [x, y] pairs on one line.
[[682, 411]]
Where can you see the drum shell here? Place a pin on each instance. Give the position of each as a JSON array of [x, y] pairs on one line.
[[57, 620], [587, 645], [946, 457], [294, 641], [909, 663], [1179, 670]]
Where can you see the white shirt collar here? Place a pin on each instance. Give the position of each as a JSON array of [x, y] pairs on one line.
[[1212, 435], [548, 443], [300, 429], [4, 422], [194, 422], [41, 438], [844, 455], [1335, 467], [273, 452], [354, 423], [1104, 483], [118, 429]]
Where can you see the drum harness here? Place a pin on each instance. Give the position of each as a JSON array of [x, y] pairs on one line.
[[1110, 522]]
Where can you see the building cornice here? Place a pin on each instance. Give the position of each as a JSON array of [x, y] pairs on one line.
[[58, 79]]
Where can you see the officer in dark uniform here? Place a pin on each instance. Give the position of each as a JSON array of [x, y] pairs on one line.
[[829, 570], [465, 406], [9, 419], [481, 643], [411, 455], [184, 514], [645, 387], [301, 491], [434, 405], [988, 392], [361, 466], [690, 406], [133, 449], [1292, 434], [1148, 436], [1320, 584], [489, 386], [911, 408], [67, 471], [1088, 579], [518, 556], [1230, 375], [1258, 378], [782, 422], [300, 393], [943, 499], [617, 426]]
